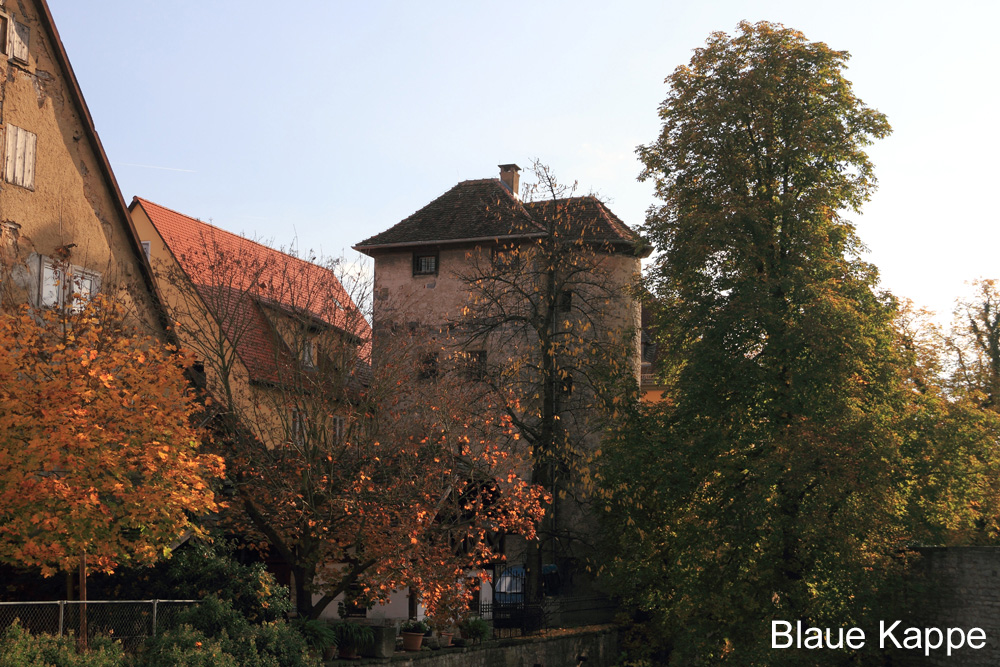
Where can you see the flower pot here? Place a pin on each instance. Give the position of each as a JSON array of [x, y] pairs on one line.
[[349, 652], [412, 641], [446, 638]]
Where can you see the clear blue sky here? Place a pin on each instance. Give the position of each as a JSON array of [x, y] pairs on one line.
[[330, 121]]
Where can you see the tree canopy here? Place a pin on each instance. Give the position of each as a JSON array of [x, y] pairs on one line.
[[98, 455], [780, 486]]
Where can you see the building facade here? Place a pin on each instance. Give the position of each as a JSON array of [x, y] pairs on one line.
[[66, 229], [537, 300]]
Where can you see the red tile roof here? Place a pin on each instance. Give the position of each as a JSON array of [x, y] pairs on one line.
[[470, 210], [485, 209], [241, 280]]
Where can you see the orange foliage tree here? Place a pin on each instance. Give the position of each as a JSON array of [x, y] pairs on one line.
[[350, 458], [97, 452], [413, 494]]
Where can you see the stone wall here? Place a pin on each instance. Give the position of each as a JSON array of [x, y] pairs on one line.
[[956, 587], [591, 648]]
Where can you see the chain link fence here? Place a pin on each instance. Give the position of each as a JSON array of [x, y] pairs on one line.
[[129, 621]]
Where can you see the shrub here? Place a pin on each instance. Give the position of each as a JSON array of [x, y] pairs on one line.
[[184, 646], [353, 635], [317, 634], [197, 571], [475, 628], [20, 648], [272, 644]]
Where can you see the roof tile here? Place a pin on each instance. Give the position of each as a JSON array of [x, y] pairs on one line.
[[241, 279]]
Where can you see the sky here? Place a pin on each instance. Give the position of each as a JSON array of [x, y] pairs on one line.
[[319, 123]]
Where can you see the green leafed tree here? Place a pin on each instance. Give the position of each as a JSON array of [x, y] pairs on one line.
[[781, 489]]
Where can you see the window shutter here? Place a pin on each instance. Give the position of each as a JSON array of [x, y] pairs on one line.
[[28, 175], [19, 163], [19, 42], [10, 154]]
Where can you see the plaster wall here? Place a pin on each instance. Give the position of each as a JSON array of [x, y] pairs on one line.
[[74, 199]]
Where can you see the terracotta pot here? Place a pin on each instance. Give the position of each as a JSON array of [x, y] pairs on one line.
[[412, 641], [446, 638], [349, 652]]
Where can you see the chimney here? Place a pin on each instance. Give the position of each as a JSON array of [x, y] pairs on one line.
[[510, 178]]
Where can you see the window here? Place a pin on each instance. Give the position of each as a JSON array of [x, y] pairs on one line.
[[337, 429], [425, 264], [308, 356], [565, 301], [506, 257], [4, 22], [429, 366], [298, 428], [476, 369], [19, 157], [145, 249], [62, 286]]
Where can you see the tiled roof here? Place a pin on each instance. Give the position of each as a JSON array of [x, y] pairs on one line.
[[484, 209], [470, 210], [243, 279], [587, 216]]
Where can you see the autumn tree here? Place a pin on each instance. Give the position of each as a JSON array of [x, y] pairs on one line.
[[98, 453], [780, 487], [348, 461], [974, 346], [553, 309]]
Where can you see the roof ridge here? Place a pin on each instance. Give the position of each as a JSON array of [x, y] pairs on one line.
[[233, 234]]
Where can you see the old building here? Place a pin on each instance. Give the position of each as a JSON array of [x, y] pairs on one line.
[[535, 299], [281, 348], [66, 229]]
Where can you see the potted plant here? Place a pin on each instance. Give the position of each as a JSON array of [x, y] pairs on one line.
[[351, 637], [319, 636], [413, 634], [475, 629]]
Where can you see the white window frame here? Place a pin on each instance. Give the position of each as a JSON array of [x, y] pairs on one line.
[[69, 286], [146, 248]]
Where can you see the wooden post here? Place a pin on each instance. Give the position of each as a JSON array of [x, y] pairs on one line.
[[83, 602]]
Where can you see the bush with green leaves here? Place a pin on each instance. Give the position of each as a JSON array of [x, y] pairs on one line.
[[20, 648], [317, 634], [184, 646], [474, 628], [271, 644], [353, 635], [197, 571]]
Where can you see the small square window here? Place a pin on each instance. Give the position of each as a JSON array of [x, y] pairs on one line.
[[429, 366], [425, 264], [476, 369], [565, 301]]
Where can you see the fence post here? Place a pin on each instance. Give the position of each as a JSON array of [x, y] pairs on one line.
[[62, 608], [154, 617]]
